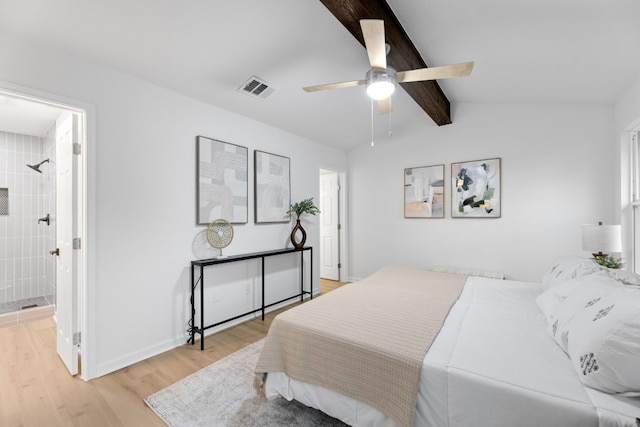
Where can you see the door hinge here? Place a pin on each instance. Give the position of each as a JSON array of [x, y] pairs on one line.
[[339, 265], [77, 149], [339, 226], [77, 243], [77, 338]]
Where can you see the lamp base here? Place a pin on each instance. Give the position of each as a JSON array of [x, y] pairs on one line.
[[600, 255]]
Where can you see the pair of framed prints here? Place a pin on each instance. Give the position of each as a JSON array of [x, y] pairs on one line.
[[223, 184], [475, 190]]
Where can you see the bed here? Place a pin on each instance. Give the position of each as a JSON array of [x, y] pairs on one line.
[[496, 362]]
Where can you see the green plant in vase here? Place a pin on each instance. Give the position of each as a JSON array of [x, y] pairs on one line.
[[298, 234], [609, 261]]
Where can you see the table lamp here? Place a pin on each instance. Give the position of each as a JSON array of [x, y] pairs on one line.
[[598, 238]]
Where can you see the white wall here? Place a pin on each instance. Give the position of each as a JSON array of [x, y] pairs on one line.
[[627, 109], [558, 171], [142, 202]]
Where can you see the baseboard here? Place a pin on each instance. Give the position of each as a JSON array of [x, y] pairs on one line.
[[154, 350], [137, 356]]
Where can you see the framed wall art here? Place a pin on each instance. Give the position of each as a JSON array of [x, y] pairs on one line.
[[222, 188], [424, 192], [475, 189], [272, 187]]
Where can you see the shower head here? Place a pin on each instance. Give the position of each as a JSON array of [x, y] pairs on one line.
[[37, 167]]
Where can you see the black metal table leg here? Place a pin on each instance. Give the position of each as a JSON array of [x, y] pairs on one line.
[[192, 331], [311, 271], [301, 276], [263, 288], [201, 307]]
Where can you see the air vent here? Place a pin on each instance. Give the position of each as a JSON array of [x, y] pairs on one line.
[[257, 88]]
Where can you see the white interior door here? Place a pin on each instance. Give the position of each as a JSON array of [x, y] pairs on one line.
[[66, 220], [329, 227]]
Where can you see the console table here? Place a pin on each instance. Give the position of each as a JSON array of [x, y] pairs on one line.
[[202, 263]]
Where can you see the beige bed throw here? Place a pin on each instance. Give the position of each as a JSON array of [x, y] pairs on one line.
[[366, 340]]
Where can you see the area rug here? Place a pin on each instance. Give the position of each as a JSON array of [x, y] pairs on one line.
[[222, 395]]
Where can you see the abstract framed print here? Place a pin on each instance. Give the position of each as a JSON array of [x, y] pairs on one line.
[[222, 188], [475, 189], [272, 187], [424, 192]]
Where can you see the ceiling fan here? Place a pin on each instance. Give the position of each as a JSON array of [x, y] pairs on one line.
[[381, 80]]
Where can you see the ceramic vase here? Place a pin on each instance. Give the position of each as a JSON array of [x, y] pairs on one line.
[[298, 235]]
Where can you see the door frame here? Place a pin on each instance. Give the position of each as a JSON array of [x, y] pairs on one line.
[[342, 219], [85, 267]]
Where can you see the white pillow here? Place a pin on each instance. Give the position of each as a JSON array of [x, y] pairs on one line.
[[567, 268], [604, 341], [550, 300], [624, 276], [563, 302], [468, 272]]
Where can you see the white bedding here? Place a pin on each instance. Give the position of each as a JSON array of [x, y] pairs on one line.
[[493, 364]]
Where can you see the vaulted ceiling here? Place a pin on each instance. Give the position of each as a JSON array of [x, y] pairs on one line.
[[527, 51]]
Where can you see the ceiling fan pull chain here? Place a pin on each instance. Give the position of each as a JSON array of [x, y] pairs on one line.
[[371, 122]]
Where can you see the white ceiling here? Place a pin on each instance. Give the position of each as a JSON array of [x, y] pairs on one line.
[[25, 117], [525, 51]]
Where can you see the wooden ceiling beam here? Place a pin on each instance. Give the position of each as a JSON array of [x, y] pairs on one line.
[[403, 55]]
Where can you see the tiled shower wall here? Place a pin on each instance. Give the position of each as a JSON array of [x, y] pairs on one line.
[[50, 208], [24, 243]]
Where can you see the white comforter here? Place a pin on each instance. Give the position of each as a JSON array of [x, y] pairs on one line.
[[492, 364]]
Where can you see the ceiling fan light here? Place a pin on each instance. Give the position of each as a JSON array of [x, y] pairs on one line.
[[380, 85], [380, 90]]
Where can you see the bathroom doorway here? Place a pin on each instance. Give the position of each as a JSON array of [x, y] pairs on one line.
[[27, 183], [42, 216]]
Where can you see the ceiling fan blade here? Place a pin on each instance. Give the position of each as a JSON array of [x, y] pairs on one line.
[[435, 73], [333, 86], [384, 106], [373, 33]]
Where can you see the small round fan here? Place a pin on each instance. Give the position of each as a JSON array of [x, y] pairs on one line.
[[220, 234]]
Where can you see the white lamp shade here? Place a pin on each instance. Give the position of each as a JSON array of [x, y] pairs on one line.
[[601, 238]]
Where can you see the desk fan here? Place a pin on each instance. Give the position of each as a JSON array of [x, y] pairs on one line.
[[219, 235]]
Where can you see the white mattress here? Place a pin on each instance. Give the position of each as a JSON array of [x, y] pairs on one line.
[[492, 364]]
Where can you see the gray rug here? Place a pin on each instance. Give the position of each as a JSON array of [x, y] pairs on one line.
[[222, 394]]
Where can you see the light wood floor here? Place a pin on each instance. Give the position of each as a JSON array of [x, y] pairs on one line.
[[36, 390]]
